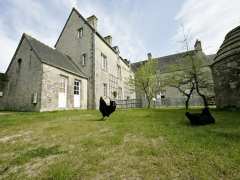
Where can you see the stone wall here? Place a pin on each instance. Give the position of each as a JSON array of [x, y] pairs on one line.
[[111, 74], [24, 80], [50, 89], [226, 71], [75, 47], [226, 76]]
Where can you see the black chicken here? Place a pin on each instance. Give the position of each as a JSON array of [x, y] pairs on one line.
[[203, 118], [105, 109]]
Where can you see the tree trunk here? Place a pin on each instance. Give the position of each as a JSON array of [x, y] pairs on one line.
[[200, 94]]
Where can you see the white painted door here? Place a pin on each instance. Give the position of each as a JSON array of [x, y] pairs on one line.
[[77, 97], [62, 95]]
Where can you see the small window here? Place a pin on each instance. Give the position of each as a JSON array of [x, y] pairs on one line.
[[119, 71], [105, 89], [104, 62], [84, 59], [80, 33], [19, 61], [119, 93]]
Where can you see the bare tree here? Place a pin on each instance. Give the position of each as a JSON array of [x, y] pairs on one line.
[[189, 75]]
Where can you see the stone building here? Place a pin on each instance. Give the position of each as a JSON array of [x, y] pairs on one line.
[[40, 78], [82, 67], [170, 96], [226, 71]]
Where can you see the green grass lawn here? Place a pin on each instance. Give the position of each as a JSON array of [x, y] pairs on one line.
[[131, 144]]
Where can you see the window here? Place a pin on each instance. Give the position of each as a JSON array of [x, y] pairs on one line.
[[63, 84], [19, 61], [104, 62], [120, 93], [105, 89], [76, 87], [80, 33], [119, 71], [84, 59]]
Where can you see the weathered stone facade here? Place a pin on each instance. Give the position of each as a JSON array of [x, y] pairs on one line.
[[50, 89], [24, 79], [33, 78], [69, 43], [226, 71], [94, 46]]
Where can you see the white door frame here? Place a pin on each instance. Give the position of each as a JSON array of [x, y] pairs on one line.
[[77, 94], [62, 94]]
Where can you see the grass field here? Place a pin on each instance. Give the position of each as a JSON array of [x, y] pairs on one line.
[[131, 144]]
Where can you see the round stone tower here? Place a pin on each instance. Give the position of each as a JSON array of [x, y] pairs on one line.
[[226, 71]]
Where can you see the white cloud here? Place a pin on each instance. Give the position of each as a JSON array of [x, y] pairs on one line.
[[208, 20], [118, 25], [44, 20]]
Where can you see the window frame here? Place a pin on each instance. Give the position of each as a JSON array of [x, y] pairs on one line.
[[119, 71], [80, 33], [105, 90], [76, 87], [104, 62], [83, 59]]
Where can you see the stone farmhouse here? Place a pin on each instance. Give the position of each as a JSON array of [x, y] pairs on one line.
[[226, 71], [81, 68], [170, 96]]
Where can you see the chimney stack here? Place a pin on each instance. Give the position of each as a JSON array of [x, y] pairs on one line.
[[149, 56], [198, 45], [108, 39], [92, 20]]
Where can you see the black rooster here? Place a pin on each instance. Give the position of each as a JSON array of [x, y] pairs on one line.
[[105, 109], [203, 118]]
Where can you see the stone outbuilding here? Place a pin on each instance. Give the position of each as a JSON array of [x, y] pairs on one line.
[[40, 78], [226, 71]]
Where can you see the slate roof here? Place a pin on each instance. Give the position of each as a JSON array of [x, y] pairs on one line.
[[53, 57], [164, 62]]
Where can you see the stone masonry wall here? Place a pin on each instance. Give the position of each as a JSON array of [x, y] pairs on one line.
[[106, 76], [75, 47], [226, 76], [50, 89], [24, 80]]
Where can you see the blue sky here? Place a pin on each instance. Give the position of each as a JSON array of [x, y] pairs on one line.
[[137, 27]]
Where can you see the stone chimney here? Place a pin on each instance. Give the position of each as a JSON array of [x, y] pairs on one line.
[[149, 56], [92, 20], [108, 39], [198, 45]]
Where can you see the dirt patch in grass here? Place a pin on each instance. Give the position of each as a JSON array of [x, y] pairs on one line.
[[15, 136], [31, 160]]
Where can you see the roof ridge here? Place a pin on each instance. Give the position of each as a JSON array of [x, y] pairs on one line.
[[29, 36], [166, 56]]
